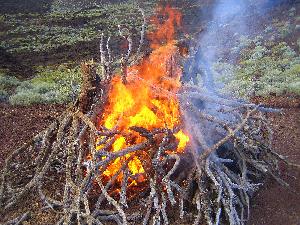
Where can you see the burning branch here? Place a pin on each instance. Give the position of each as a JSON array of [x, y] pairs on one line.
[[135, 147]]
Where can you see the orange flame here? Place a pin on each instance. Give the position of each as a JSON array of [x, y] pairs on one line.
[[142, 102]]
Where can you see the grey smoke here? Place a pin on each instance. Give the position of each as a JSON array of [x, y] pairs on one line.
[[228, 21]]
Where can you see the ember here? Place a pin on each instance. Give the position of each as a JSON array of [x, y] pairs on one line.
[[137, 104]]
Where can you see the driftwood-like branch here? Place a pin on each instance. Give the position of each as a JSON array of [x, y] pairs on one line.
[[19, 220], [125, 60], [210, 183], [71, 143], [142, 37]]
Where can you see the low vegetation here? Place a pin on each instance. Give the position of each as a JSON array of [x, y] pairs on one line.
[[7, 83], [64, 26], [52, 85], [264, 69], [268, 64]]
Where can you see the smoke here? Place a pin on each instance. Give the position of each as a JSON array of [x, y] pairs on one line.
[[216, 37], [229, 20]]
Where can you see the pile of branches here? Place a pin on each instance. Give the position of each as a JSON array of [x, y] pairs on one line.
[[210, 183]]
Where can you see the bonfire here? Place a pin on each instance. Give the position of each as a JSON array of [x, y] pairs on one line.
[[136, 147]]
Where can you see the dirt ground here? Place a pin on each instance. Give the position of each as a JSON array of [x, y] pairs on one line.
[[273, 204], [19, 124]]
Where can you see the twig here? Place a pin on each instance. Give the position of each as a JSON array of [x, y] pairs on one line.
[[19, 219]]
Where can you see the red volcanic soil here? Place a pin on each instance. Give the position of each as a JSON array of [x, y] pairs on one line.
[[20, 123], [273, 204]]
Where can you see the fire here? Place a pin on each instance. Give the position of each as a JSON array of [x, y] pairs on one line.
[[142, 101]]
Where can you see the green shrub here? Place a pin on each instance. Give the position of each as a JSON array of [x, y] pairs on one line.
[[262, 70], [7, 82], [7, 85], [51, 85], [3, 95], [26, 97]]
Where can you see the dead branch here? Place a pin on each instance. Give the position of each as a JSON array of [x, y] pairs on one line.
[[19, 220], [226, 151], [125, 60]]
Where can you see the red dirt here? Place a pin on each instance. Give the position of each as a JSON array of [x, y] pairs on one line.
[[19, 124], [273, 204]]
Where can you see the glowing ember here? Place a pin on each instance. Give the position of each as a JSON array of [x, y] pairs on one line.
[[142, 101]]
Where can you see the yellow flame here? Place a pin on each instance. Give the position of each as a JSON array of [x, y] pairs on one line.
[[138, 103], [183, 140], [135, 166], [144, 118]]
